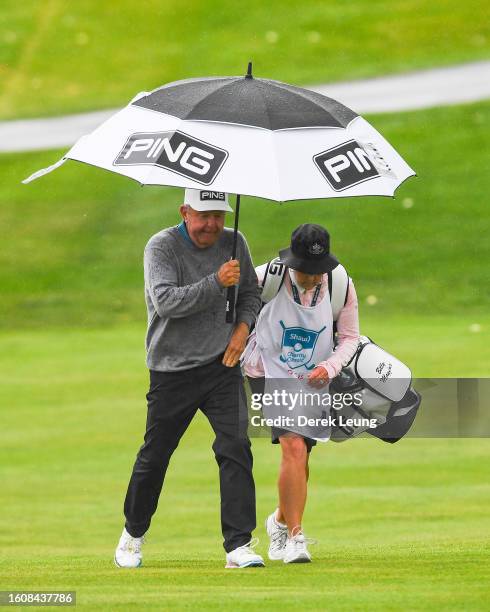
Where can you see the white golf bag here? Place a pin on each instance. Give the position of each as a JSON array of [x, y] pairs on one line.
[[381, 387]]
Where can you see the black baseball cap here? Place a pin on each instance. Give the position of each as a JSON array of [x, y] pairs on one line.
[[310, 250]]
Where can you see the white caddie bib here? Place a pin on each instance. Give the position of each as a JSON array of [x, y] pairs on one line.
[[292, 340]]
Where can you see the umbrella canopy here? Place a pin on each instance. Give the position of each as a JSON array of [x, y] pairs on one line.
[[262, 103], [244, 135]]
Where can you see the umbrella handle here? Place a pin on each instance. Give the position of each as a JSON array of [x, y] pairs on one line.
[[230, 304], [231, 292]]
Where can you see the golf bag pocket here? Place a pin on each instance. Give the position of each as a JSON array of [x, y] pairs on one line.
[[362, 410]]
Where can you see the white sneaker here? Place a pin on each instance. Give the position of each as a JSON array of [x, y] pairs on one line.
[[278, 535], [128, 551], [244, 556], [296, 550]]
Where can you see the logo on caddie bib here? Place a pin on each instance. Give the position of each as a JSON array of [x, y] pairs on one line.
[[298, 345]]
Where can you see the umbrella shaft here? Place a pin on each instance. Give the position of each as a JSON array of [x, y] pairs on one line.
[[235, 230], [230, 294]]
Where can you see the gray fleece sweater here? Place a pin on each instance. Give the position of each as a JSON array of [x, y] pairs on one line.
[[186, 303]]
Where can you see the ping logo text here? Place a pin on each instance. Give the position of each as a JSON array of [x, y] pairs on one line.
[[174, 151], [346, 165]]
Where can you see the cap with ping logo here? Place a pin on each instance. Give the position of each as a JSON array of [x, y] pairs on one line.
[[205, 200]]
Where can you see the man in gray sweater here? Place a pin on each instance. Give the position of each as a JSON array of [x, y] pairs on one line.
[[193, 358]]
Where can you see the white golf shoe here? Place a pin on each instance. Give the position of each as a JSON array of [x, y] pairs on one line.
[[296, 549], [278, 535], [244, 556], [128, 551]]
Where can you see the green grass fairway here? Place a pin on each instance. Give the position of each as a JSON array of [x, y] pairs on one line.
[[402, 527], [58, 56], [399, 527]]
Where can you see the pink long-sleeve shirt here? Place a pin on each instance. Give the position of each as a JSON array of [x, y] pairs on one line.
[[347, 329]]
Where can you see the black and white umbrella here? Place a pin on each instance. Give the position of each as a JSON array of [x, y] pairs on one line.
[[247, 136]]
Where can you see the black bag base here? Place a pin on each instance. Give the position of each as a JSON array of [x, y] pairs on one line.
[[397, 426]]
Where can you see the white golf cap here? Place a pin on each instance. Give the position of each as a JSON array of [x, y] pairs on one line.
[[207, 200]]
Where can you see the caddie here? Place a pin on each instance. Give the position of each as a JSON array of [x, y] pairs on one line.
[[309, 300], [193, 358]]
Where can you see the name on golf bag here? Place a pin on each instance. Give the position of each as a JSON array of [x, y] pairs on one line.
[[174, 151], [346, 165]]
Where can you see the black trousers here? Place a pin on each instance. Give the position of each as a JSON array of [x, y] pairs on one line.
[[173, 400]]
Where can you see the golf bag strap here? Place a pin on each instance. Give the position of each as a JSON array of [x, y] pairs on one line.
[[273, 277], [338, 287]]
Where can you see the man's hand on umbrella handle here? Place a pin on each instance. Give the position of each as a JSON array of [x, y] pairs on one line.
[[319, 377], [236, 346], [229, 273]]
